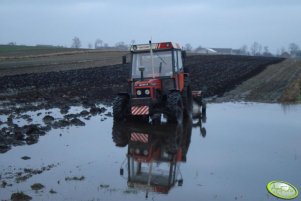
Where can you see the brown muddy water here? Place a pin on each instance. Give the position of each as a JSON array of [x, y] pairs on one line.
[[232, 156]]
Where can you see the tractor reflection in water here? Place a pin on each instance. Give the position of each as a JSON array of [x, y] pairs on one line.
[[154, 154]]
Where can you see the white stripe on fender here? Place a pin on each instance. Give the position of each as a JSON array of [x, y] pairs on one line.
[[139, 137], [140, 110], [134, 109]]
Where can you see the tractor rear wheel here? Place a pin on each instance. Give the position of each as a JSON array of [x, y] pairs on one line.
[[121, 108], [174, 107], [187, 102], [120, 134], [204, 106]]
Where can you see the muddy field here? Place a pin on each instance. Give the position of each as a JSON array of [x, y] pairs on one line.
[[88, 87], [68, 96], [53, 61], [213, 74], [280, 82]]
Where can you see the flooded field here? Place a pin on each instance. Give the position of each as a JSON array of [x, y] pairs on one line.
[[231, 155]]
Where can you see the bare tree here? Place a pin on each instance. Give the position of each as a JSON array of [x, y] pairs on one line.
[[98, 43], [11, 43], [243, 50], [266, 52], [188, 47], [255, 49], [121, 46], [76, 42], [259, 49], [293, 48], [90, 46], [266, 49], [199, 48], [282, 51]]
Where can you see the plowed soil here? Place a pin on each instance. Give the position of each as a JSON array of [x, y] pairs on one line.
[[84, 77], [280, 82]]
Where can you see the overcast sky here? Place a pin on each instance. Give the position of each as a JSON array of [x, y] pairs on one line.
[[210, 23]]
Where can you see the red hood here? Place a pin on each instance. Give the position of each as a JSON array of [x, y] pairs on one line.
[[150, 82]]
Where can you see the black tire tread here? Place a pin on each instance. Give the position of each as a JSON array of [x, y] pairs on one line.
[[120, 108]]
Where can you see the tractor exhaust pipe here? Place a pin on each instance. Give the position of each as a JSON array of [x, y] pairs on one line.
[[141, 69]]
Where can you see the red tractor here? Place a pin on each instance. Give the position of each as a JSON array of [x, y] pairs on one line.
[[158, 84]]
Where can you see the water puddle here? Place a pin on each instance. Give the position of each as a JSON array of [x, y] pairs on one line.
[[231, 155]]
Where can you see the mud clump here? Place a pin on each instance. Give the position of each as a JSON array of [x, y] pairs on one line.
[[28, 173], [84, 113], [4, 148], [3, 184], [65, 109], [52, 191], [33, 129], [77, 122], [75, 178], [13, 134], [60, 124], [20, 196], [48, 119], [37, 186], [94, 110], [25, 158]]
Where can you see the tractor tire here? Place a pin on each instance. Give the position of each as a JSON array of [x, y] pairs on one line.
[[140, 118], [187, 102], [204, 107], [121, 109], [187, 98], [120, 134], [174, 108], [174, 139]]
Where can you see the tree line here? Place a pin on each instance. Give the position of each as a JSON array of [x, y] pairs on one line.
[[100, 44], [256, 49]]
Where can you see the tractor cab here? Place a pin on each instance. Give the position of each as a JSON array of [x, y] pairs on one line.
[[157, 60]]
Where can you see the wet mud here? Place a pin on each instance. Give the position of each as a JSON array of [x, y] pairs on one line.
[[19, 129]]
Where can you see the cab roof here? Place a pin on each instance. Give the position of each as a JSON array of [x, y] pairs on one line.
[[155, 46]]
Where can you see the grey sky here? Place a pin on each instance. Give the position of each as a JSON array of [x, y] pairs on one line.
[[214, 23]]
